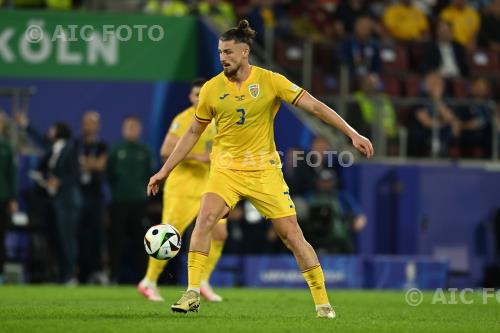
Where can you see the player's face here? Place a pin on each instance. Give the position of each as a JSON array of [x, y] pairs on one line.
[[232, 55], [194, 96]]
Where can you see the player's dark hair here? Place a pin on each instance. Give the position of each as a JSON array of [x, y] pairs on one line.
[[240, 34], [199, 82]]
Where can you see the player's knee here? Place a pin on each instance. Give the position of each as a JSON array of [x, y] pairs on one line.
[[207, 220]]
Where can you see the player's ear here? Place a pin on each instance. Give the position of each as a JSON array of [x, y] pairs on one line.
[[246, 51]]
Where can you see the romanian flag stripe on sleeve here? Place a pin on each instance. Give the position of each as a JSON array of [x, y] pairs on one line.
[[298, 97]]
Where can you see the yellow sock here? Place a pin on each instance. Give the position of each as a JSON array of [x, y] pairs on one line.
[[196, 264], [155, 268], [213, 257], [316, 282]]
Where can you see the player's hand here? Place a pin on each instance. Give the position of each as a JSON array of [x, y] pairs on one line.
[[154, 183], [363, 145]]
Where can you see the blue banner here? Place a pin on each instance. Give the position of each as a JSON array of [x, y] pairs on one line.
[[341, 271], [282, 272], [402, 272]]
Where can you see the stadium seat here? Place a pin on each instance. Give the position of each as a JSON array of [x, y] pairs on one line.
[[289, 54], [394, 58], [392, 85], [324, 84], [325, 57], [459, 88], [484, 62], [412, 86]]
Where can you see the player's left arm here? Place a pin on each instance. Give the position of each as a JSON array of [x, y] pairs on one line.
[[310, 104]]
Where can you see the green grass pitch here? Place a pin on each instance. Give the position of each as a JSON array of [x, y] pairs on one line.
[[121, 309]]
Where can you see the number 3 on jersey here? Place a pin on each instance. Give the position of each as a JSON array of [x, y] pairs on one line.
[[242, 116]]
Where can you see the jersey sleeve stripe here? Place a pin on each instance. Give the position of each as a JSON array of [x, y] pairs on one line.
[[298, 97], [202, 120]]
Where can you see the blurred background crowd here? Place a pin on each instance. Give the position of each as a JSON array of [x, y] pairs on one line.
[[414, 62]]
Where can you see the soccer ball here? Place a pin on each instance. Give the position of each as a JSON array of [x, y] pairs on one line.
[[162, 241]]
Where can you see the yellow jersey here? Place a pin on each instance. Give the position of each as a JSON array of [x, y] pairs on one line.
[[465, 23], [189, 177], [244, 118], [405, 22]]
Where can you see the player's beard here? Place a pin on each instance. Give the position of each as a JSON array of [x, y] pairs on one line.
[[230, 73]]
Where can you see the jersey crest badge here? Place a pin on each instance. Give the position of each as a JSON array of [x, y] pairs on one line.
[[254, 90]]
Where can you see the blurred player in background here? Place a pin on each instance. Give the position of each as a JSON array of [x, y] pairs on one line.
[[182, 195], [244, 100]]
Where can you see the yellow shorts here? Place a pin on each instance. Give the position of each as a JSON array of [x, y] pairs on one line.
[[180, 211], [265, 189]]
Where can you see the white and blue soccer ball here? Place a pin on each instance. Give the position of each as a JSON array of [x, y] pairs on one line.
[[162, 241]]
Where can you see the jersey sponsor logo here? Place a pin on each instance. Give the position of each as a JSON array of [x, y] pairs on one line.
[[295, 87], [223, 96], [254, 90], [240, 98]]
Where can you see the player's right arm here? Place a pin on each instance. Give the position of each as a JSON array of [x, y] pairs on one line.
[[181, 150]]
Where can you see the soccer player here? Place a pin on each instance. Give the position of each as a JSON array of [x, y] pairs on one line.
[[243, 100], [182, 195]]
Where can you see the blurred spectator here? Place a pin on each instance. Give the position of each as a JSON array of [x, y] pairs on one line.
[[426, 6], [372, 108], [266, 14], [219, 11], [8, 178], [360, 52], [308, 165], [444, 55], [59, 175], [167, 7], [476, 122], [92, 154], [347, 13], [59, 4], [432, 115], [129, 167], [489, 34], [406, 22], [334, 216], [464, 20], [23, 3], [311, 21]]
